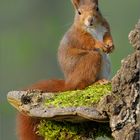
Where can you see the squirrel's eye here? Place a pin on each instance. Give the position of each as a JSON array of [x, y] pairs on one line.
[[79, 12], [97, 8]]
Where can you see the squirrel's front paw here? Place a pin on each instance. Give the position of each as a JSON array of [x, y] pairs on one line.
[[108, 47]]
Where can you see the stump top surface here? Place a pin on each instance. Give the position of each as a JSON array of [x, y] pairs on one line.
[[53, 107]]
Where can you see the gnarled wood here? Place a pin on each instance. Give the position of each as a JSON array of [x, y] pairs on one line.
[[121, 107]]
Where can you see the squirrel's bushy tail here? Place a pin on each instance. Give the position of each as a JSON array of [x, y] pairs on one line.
[[27, 127], [49, 86], [55, 85]]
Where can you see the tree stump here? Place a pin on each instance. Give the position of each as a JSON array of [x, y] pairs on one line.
[[78, 115]]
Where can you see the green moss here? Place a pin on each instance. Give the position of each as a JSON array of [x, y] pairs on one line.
[[87, 97], [52, 130]]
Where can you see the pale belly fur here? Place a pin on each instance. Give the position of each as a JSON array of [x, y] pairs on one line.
[[98, 33], [105, 67]]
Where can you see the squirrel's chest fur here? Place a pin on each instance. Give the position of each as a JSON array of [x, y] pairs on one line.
[[98, 33], [85, 42]]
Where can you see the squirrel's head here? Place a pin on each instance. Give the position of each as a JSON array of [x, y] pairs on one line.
[[87, 13]]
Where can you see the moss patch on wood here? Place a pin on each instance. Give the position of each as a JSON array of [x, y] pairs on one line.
[[52, 130], [87, 97]]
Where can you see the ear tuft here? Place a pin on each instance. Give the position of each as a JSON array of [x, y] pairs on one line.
[[76, 3], [94, 1]]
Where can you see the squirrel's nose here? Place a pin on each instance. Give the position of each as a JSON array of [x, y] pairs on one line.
[[91, 21]]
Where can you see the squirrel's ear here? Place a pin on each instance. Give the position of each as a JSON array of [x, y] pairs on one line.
[[76, 3], [96, 1]]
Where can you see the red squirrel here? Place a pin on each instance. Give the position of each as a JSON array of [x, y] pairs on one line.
[[82, 55]]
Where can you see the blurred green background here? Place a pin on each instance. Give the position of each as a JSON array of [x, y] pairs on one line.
[[30, 31]]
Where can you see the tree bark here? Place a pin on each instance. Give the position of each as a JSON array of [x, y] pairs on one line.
[[123, 105]]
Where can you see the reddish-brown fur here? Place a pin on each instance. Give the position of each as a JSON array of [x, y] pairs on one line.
[[27, 128], [79, 59]]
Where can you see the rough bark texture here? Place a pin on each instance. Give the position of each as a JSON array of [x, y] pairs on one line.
[[123, 105]]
